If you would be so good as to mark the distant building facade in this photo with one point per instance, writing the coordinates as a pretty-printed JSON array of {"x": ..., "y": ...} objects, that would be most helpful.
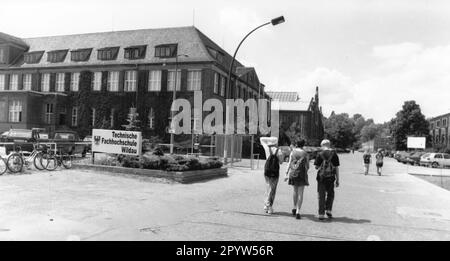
[
  {"x": 299, "y": 119},
  {"x": 439, "y": 131},
  {"x": 87, "y": 81}
]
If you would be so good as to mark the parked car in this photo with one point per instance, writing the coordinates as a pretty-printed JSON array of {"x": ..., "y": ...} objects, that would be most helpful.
[
  {"x": 402, "y": 156},
  {"x": 414, "y": 159},
  {"x": 65, "y": 142},
  {"x": 23, "y": 138},
  {"x": 435, "y": 160}
]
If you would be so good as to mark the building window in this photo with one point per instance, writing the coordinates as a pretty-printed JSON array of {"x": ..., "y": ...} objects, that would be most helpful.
[
  {"x": 60, "y": 82},
  {"x": 45, "y": 82},
  {"x": 171, "y": 80},
  {"x": 130, "y": 81},
  {"x": 154, "y": 81},
  {"x": 93, "y": 117},
  {"x": 97, "y": 81},
  {"x": 194, "y": 80},
  {"x": 113, "y": 81},
  {"x": 2, "y": 56},
  {"x": 216, "y": 83},
  {"x": 48, "y": 113},
  {"x": 15, "y": 111},
  {"x": 109, "y": 53},
  {"x": 56, "y": 56},
  {"x": 33, "y": 57},
  {"x": 112, "y": 116},
  {"x": 222, "y": 86},
  {"x": 135, "y": 52},
  {"x": 80, "y": 55},
  {"x": 151, "y": 119},
  {"x": 166, "y": 50},
  {"x": 75, "y": 116},
  {"x": 14, "y": 82},
  {"x": 74, "y": 81},
  {"x": 27, "y": 79},
  {"x": 2, "y": 82},
  {"x": 444, "y": 123}
]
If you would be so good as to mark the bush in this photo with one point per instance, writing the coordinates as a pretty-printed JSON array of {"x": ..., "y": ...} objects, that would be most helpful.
[{"x": 169, "y": 162}]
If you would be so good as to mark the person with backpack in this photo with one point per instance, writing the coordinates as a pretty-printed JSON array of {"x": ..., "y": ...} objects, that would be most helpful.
[
  {"x": 379, "y": 161},
  {"x": 271, "y": 170},
  {"x": 367, "y": 158},
  {"x": 297, "y": 175},
  {"x": 327, "y": 164}
]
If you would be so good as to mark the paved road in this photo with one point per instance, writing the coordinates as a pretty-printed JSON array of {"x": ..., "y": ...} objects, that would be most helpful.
[{"x": 79, "y": 205}]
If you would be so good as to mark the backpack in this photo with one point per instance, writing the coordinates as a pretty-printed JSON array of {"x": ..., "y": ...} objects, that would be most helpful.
[
  {"x": 272, "y": 166},
  {"x": 327, "y": 169},
  {"x": 366, "y": 158},
  {"x": 298, "y": 167}
]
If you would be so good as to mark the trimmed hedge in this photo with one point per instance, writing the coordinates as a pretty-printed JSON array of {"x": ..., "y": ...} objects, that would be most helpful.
[{"x": 169, "y": 162}]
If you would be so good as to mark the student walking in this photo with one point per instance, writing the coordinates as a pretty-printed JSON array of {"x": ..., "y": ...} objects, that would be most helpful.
[
  {"x": 379, "y": 161},
  {"x": 271, "y": 170},
  {"x": 297, "y": 175},
  {"x": 367, "y": 158},
  {"x": 327, "y": 164}
]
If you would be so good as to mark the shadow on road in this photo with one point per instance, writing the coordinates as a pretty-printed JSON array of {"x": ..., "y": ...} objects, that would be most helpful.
[{"x": 334, "y": 219}]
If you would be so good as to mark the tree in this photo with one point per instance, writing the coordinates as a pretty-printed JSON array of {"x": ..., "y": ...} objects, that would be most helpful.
[
  {"x": 408, "y": 122},
  {"x": 339, "y": 130},
  {"x": 371, "y": 131},
  {"x": 133, "y": 122}
]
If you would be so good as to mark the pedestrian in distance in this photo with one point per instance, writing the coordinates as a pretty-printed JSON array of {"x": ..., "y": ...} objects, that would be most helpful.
[
  {"x": 271, "y": 170},
  {"x": 367, "y": 159},
  {"x": 327, "y": 164},
  {"x": 297, "y": 174},
  {"x": 379, "y": 161}
]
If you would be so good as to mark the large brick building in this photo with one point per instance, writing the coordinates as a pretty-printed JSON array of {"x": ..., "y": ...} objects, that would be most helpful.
[
  {"x": 91, "y": 80},
  {"x": 439, "y": 131},
  {"x": 299, "y": 119}
]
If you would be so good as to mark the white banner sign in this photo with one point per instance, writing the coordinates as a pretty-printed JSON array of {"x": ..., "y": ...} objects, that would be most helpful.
[
  {"x": 416, "y": 142},
  {"x": 117, "y": 142}
]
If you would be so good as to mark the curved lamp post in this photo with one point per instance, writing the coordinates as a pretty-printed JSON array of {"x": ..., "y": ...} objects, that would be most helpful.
[{"x": 274, "y": 22}]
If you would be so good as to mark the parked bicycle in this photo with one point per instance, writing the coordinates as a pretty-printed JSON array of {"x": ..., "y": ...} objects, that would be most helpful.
[
  {"x": 3, "y": 166},
  {"x": 52, "y": 161},
  {"x": 17, "y": 160}
]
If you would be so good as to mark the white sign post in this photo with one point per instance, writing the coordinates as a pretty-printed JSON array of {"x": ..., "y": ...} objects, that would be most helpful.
[
  {"x": 416, "y": 142},
  {"x": 117, "y": 142}
]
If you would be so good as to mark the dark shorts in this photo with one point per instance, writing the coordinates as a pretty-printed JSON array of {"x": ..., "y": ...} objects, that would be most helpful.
[{"x": 379, "y": 164}]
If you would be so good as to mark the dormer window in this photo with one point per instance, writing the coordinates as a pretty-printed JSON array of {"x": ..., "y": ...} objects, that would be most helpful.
[
  {"x": 135, "y": 52},
  {"x": 2, "y": 55},
  {"x": 33, "y": 57},
  {"x": 80, "y": 55},
  {"x": 218, "y": 55},
  {"x": 57, "y": 56},
  {"x": 108, "y": 53},
  {"x": 166, "y": 50}
]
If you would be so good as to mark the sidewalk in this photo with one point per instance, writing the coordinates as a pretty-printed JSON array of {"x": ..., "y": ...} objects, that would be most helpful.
[{"x": 78, "y": 205}]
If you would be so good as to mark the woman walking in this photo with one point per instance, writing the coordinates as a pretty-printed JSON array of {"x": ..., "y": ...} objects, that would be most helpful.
[
  {"x": 379, "y": 161},
  {"x": 367, "y": 160},
  {"x": 297, "y": 175}
]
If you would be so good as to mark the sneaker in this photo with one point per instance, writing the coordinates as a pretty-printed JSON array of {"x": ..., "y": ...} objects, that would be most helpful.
[
  {"x": 270, "y": 211},
  {"x": 294, "y": 211},
  {"x": 329, "y": 215},
  {"x": 266, "y": 208},
  {"x": 297, "y": 216},
  {"x": 321, "y": 217}
]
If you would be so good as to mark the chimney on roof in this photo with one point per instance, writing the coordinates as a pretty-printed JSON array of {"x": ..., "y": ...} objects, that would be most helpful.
[{"x": 317, "y": 95}]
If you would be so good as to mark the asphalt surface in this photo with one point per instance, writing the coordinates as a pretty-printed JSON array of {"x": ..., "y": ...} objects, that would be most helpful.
[{"x": 80, "y": 205}]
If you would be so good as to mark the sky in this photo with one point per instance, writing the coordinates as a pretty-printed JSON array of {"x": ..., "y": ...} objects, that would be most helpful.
[{"x": 365, "y": 56}]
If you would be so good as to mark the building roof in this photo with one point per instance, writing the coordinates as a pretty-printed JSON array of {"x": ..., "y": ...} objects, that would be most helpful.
[
  {"x": 293, "y": 106},
  {"x": 190, "y": 42},
  {"x": 284, "y": 96},
  {"x": 6, "y": 38}
]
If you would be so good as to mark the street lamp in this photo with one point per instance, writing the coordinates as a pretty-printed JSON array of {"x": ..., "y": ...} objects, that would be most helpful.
[
  {"x": 274, "y": 22},
  {"x": 174, "y": 96}
]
